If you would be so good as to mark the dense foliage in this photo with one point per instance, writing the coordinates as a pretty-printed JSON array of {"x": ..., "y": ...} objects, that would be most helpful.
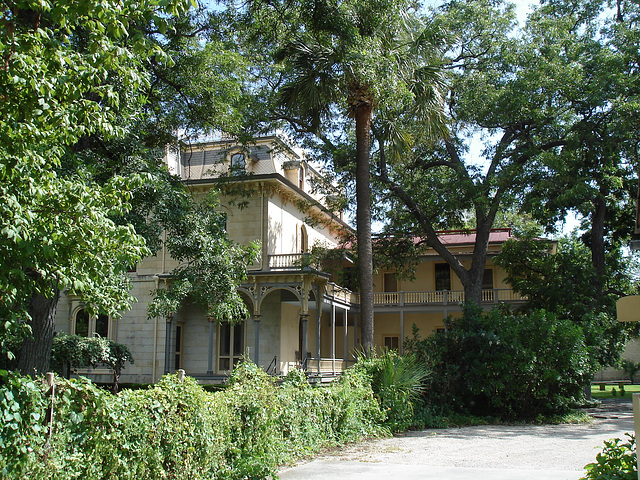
[
  {"x": 398, "y": 383},
  {"x": 210, "y": 264},
  {"x": 559, "y": 277},
  {"x": 617, "y": 461},
  {"x": 91, "y": 94},
  {"x": 548, "y": 146},
  {"x": 70, "y": 352},
  {"x": 70, "y": 70},
  {"x": 177, "y": 429},
  {"x": 506, "y": 365}
]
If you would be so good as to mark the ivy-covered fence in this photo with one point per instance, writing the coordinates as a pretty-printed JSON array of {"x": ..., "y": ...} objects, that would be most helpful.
[{"x": 175, "y": 429}]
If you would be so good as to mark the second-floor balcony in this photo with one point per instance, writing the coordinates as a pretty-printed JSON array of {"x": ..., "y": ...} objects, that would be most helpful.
[
  {"x": 290, "y": 261},
  {"x": 444, "y": 297},
  {"x": 296, "y": 261}
]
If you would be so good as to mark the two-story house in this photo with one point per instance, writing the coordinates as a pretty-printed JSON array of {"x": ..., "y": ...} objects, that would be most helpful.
[{"x": 298, "y": 315}]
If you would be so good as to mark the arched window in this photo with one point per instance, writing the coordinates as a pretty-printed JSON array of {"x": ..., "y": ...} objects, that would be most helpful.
[
  {"x": 304, "y": 240},
  {"x": 85, "y": 325},
  {"x": 81, "y": 323}
]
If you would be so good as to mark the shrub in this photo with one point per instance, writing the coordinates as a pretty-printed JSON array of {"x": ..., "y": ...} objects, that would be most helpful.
[
  {"x": 69, "y": 352},
  {"x": 397, "y": 382},
  {"x": 351, "y": 408},
  {"x": 630, "y": 369},
  {"x": 617, "y": 461},
  {"x": 22, "y": 422},
  {"x": 177, "y": 429},
  {"x": 300, "y": 416},
  {"x": 507, "y": 365},
  {"x": 250, "y": 399}
]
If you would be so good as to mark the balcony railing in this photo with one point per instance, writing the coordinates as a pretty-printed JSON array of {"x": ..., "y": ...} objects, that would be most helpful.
[
  {"x": 494, "y": 295},
  {"x": 289, "y": 261},
  {"x": 340, "y": 293}
]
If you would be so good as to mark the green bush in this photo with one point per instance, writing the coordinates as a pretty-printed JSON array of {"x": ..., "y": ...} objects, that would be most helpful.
[
  {"x": 617, "y": 461},
  {"x": 250, "y": 398},
  {"x": 506, "y": 365},
  {"x": 23, "y": 424},
  {"x": 351, "y": 408},
  {"x": 69, "y": 352},
  {"x": 176, "y": 429},
  {"x": 315, "y": 416},
  {"x": 397, "y": 382},
  {"x": 630, "y": 369}
]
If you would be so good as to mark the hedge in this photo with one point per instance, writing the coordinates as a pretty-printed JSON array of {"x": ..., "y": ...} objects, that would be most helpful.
[{"x": 176, "y": 429}]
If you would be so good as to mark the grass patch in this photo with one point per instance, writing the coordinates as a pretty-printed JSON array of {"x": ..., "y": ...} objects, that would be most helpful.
[
  {"x": 456, "y": 420},
  {"x": 608, "y": 393},
  {"x": 573, "y": 417}
]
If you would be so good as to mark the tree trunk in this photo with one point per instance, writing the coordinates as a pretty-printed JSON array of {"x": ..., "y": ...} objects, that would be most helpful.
[
  {"x": 35, "y": 353},
  {"x": 597, "y": 240},
  {"x": 473, "y": 279},
  {"x": 473, "y": 287},
  {"x": 363, "y": 219}
]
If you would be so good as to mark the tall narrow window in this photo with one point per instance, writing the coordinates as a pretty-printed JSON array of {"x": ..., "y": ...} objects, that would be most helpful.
[
  {"x": 81, "y": 324},
  {"x": 237, "y": 163},
  {"x": 301, "y": 177},
  {"x": 304, "y": 240},
  {"x": 390, "y": 282},
  {"x": 230, "y": 345},
  {"x": 102, "y": 326},
  {"x": 487, "y": 279},
  {"x": 443, "y": 276},
  {"x": 178, "y": 363}
]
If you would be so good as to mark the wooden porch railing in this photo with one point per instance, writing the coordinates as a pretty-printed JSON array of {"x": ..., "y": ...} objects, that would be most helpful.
[
  {"x": 289, "y": 261},
  {"x": 494, "y": 295}
]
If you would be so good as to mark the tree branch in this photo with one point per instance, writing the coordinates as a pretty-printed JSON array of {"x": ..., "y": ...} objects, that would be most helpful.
[{"x": 421, "y": 217}]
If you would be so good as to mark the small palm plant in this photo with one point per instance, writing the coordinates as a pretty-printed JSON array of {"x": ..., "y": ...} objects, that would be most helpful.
[
  {"x": 398, "y": 383},
  {"x": 630, "y": 369}
]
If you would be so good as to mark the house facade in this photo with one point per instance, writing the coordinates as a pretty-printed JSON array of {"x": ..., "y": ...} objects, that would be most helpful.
[{"x": 299, "y": 316}]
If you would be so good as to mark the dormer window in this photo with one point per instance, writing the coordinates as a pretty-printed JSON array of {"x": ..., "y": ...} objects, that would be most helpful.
[{"x": 238, "y": 163}]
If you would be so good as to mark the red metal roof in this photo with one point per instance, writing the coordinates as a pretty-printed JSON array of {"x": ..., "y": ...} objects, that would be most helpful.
[{"x": 469, "y": 238}]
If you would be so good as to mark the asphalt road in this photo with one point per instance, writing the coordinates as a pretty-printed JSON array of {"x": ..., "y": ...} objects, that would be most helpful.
[{"x": 496, "y": 452}]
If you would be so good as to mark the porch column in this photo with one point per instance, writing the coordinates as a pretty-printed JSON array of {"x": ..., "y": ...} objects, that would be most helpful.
[
  {"x": 355, "y": 331},
  {"x": 256, "y": 327},
  {"x": 210, "y": 356},
  {"x": 304, "y": 319},
  {"x": 167, "y": 345},
  {"x": 318, "y": 318},
  {"x": 333, "y": 337},
  {"x": 401, "y": 332},
  {"x": 344, "y": 342}
]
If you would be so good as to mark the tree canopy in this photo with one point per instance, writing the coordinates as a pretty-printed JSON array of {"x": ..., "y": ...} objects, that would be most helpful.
[
  {"x": 531, "y": 93},
  {"x": 334, "y": 66},
  {"x": 91, "y": 95}
]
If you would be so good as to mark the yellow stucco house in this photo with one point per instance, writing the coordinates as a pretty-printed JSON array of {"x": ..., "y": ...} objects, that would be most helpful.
[{"x": 299, "y": 316}]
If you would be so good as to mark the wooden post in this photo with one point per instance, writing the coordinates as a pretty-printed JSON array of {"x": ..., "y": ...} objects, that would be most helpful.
[
  {"x": 51, "y": 381},
  {"x": 636, "y": 424}
]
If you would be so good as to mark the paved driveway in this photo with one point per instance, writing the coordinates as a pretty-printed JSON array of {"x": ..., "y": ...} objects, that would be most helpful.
[{"x": 550, "y": 452}]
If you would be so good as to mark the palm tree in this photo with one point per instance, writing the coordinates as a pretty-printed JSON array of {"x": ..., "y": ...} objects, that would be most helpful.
[{"x": 346, "y": 58}]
